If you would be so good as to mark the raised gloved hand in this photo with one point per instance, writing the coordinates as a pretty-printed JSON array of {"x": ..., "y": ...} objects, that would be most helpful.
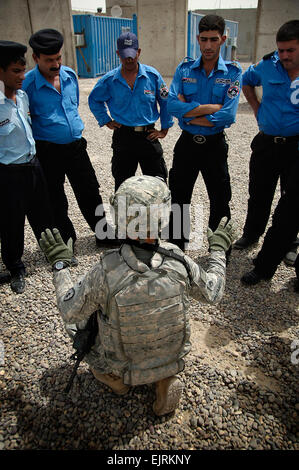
[
  {"x": 223, "y": 236},
  {"x": 54, "y": 247}
]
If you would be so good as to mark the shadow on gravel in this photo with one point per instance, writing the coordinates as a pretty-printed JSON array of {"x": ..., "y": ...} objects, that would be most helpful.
[
  {"x": 83, "y": 418},
  {"x": 257, "y": 307},
  {"x": 256, "y": 319}
]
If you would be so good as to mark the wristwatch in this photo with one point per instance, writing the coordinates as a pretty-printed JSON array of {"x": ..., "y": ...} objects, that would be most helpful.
[{"x": 59, "y": 265}]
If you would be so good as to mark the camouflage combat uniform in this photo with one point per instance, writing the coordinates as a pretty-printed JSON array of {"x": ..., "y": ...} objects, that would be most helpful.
[{"x": 76, "y": 302}]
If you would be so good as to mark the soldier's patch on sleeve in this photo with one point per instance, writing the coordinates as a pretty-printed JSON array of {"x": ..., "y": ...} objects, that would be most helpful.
[
  {"x": 163, "y": 91},
  {"x": 233, "y": 91},
  {"x": 70, "y": 294}
]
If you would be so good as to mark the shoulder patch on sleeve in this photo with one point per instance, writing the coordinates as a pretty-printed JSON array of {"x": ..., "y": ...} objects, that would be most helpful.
[
  {"x": 233, "y": 91},
  {"x": 163, "y": 90}
]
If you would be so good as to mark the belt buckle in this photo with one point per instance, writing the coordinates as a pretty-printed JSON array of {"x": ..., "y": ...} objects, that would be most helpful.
[
  {"x": 139, "y": 128},
  {"x": 199, "y": 139},
  {"x": 279, "y": 139}
]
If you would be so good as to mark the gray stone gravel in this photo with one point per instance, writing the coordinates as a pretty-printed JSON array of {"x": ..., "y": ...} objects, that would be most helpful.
[{"x": 241, "y": 387}]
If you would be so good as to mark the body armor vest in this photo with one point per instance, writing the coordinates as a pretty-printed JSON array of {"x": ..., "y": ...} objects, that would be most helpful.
[{"x": 144, "y": 330}]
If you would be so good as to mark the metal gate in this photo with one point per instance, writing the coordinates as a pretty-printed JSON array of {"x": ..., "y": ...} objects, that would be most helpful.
[
  {"x": 96, "y": 38},
  {"x": 227, "y": 49}
]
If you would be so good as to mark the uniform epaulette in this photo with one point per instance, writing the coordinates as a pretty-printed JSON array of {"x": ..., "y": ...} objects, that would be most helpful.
[
  {"x": 188, "y": 59},
  {"x": 268, "y": 56},
  {"x": 235, "y": 63}
]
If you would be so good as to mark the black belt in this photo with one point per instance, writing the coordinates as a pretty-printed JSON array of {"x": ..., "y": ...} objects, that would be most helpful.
[
  {"x": 139, "y": 128},
  {"x": 202, "y": 139},
  {"x": 46, "y": 143},
  {"x": 19, "y": 165},
  {"x": 278, "y": 139}
]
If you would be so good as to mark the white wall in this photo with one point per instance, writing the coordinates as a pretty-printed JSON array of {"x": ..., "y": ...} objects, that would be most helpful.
[
  {"x": 162, "y": 33},
  {"x": 246, "y": 17},
  {"x": 20, "y": 18},
  {"x": 271, "y": 14},
  {"x": 128, "y": 7}
]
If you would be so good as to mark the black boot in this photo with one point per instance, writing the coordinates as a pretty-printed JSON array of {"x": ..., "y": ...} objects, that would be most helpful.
[
  {"x": 253, "y": 277},
  {"x": 17, "y": 282}
]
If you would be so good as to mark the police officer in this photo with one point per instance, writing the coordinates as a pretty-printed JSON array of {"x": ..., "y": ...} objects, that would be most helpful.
[
  {"x": 204, "y": 96},
  {"x": 53, "y": 93},
  {"x": 141, "y": 295},
  {"x": 284, "y": 228},
  {"x": 131, "y": 92},
  {"x": 22, "y": 185},
  {"x": 275, "y": 147}
]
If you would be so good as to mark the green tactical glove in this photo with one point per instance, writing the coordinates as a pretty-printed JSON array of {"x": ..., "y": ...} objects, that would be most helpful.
[
  {"x": 54, "y": 247},
  {"x": 223, "y": 236}
]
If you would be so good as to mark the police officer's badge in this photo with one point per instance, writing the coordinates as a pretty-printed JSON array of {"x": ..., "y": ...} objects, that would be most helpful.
[
  {"x": 163, "y": 91},
  {"x": 233, "y": 91}
]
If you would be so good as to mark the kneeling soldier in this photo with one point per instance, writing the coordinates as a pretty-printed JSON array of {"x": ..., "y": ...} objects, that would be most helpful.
[{"x": 141, "y": 293}]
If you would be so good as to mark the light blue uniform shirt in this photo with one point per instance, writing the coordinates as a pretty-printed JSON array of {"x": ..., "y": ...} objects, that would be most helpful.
[
  {"x": 137, "y": 107},
  {"x": 55, "y": 116},
  {"x": 16, "y": 141},
  {"x": 278, "y": 113},
  {"x": 222, "y": 86}
]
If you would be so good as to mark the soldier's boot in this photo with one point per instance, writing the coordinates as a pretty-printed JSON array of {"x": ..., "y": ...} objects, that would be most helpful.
[
  {"x": 168, "y": 394},
  {"x": 115, "y": 383}
]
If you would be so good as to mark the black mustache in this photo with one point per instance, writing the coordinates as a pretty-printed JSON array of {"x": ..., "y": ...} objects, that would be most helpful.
[{"x": 54, "y": 69}]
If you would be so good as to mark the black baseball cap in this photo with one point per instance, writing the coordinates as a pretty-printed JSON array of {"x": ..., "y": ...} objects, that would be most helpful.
[{"x": 127, "y": 45}]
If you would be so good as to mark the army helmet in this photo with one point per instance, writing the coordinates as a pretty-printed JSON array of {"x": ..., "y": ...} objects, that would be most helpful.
[{"x": 141, "y": 207}]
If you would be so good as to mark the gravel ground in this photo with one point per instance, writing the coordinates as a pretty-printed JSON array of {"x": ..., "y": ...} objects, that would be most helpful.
[{"x": 240, "y": 381}]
